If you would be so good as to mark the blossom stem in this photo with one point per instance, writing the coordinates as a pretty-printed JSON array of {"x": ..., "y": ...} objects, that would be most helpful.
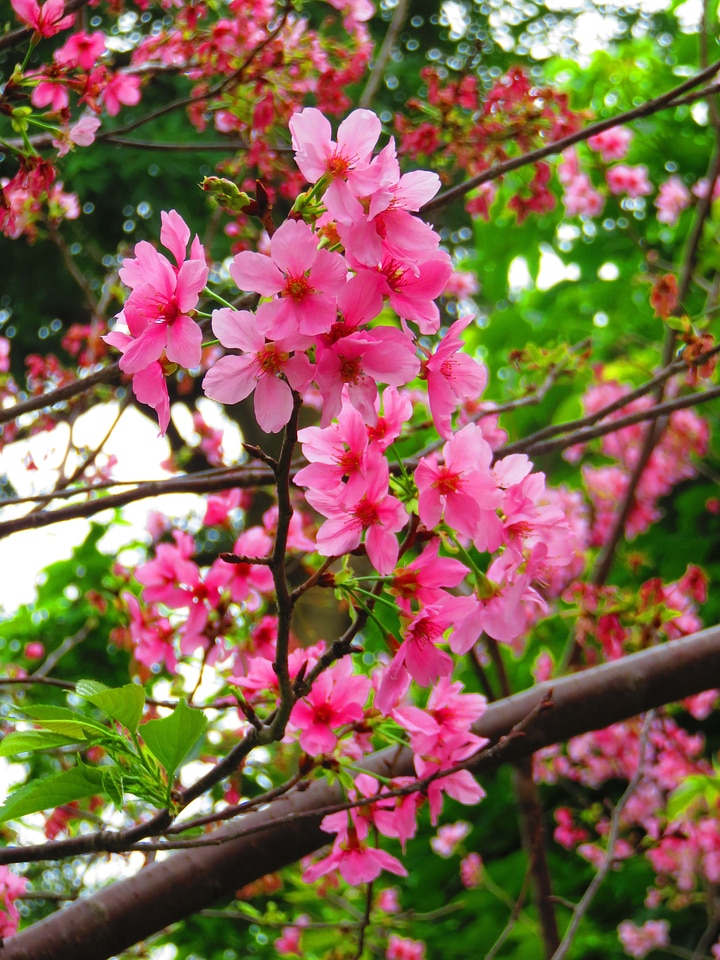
[{"x": 216, "y": 296}]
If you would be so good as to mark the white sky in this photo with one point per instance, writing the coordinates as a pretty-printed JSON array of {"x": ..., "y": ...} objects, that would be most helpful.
[{"x": 139, "y": 453}]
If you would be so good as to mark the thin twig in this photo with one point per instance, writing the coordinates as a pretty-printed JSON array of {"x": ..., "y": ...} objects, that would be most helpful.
[
  {"x": 587, "y": 898},
  {"x": 512, "y": 919},
  {"x": 377, "y": 73}
]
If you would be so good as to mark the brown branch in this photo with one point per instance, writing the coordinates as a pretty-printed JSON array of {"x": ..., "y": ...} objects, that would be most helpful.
[
  {"x": 591, "y": 433},
  {"x": 207, "y": 482},
  {"x": 553, "y": 430},
  {"x": 663, "y": 102},
  {"x": 169, "y": 890},
  {"x": 67, "y": 392},
  {"x": 533, "y": 836},
  {"x": 378, "y": 68}
]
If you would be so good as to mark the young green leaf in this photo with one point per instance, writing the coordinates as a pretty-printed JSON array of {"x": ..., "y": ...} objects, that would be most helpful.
[
  {"x": 80, "y": 781},
  {"x": 122, "y": 704},
  {"x": 23, "y": 741},
  {"x": 172, "y": 738},
  {"x": 55, "y": 719}
]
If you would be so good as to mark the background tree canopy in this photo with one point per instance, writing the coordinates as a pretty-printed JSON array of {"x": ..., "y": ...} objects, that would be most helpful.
[{"x": 577, "y": 147}]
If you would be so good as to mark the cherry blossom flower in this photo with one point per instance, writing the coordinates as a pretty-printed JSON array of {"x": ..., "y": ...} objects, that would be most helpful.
[
  {"x": 342, "y": 162},
  {"x": 639, "y": 941},
  {"x": 462, "y": 489},
  {"x": 673, "y": 197},
  {"x": 337, "y": 697},
  {"x": 271, "y": 369},
  {"x": 357, "y": 363},
  {"x": 630, "y": 180},
  {"x": 451, "y": 377},
  {"x": 460, "y": 785},
  {"x": 448, "y": 837},
  {"x": 81, "y": 50},
  {"x": 357, "y": 862},
  {"x": 420, "y": 581},
  {"x": 362, "y": 506},
  {"x": 157, "y": 311},
  {"x": 611, "y": 144},
  {"x": 305, "y": 278},
  {"x": 471, "y": 871},
  {"x": 412, "y": 288},
  {"x": 82, "y": 134},
  {"x": 121, "y": 89},
  {"x": 46, "y": 20},
  {"x": 12, "y": 888},
  {"x": 401, "y": 948}
]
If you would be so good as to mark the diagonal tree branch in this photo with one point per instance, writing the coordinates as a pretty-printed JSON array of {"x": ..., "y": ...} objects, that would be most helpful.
[
  {"x": 167, "y": 891},
  {"x": 669, "y": 99}
]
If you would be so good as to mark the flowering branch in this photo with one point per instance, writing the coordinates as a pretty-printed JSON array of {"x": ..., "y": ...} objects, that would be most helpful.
[
  {"x": 663, "y": 102},
  {"x": 162, "y": 893}
]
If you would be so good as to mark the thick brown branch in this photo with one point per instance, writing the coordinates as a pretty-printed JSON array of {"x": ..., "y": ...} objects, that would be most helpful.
[{"x": 167, "y": 891}]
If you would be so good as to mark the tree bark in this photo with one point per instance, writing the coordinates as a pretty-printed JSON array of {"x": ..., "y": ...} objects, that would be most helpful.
[{"x": 169, "y": 890}]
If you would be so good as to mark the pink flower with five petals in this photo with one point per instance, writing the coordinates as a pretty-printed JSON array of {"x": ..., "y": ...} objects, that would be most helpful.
[
  {"x": 268, "y": 367},
  {"x": 305, "y": 278},
  {"x": 157, "y": 311}
]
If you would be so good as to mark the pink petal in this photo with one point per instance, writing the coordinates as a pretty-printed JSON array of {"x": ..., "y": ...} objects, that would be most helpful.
[
  {"x": 237, "y": 329},
  {"x": 146, "y": 349},
  {"x": 294, "y": 247},
  {"x": 358, "y": 134},
  {"x": 184, "y": 342},
  {"x": 312, "y": 142},
  {"x": 150, "y": 387},
  {"x": 191, "y": 280},
  {"x": 174, "y": 234},
  {"x": 230, "y": 380},
  {"x": 257, "y": 273},
  {"x": 273, "y": 403}
]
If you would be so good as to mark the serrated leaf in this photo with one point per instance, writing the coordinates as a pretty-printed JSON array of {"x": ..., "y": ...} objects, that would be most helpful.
[
  {"x": 172, "y": 738},
  {"x": 50, "y": 792},
  {"x": 123, "y": 704},
  {"x": 114, "y": 786},
  {"x": 46, "y": 715},
  {"x": 24, "y": 741}
]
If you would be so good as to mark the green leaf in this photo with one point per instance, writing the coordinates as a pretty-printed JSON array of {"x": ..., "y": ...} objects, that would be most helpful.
[
  {"x": 44, "y": 713},
  {"x": 172, "y": 738},
  {"x": 66, "y": 722},
  {"x": 114, "y": 786},
  {"x": 689, "y": 791},
  {"x": 123, "y": 704},
  {"x": 50, "y": 792},
  {"x": 22, "y": 741}
]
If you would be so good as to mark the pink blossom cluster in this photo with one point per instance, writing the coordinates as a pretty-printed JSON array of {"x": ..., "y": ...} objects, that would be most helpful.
[
  {"x": 685, "y": 437},
  {"x": 276, "y": 83},
  {"x": 673, "y": 197},
  {"x": 580, "y": 198},
  {"x": 314, "y": 326},
  {"x": 31, "y": 196},
  {"x": 158, "y": 313},
  {"x": 354, "y": 249},
  {"x": 639, "y": 941},
  {"x": 401, "y": 948},
  {"x": 12, "y": 888},
  {"x": 468, "y": 131},
  {"x": 682, "y": 851}
]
